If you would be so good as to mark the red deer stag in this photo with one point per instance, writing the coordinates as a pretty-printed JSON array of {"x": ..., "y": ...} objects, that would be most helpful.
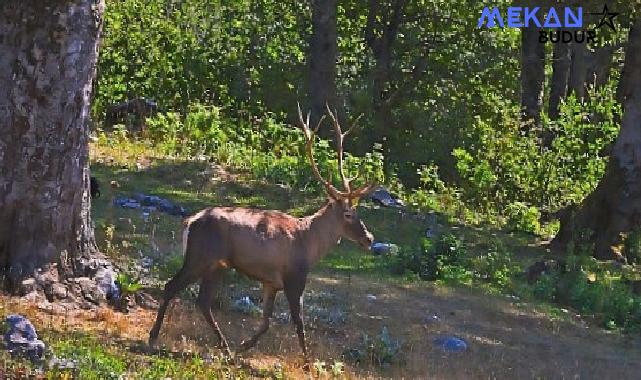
[{"x": 269, "y": 246}]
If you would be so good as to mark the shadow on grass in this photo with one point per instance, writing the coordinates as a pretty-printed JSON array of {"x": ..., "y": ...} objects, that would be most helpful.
[{"x": 194, "y": 185}]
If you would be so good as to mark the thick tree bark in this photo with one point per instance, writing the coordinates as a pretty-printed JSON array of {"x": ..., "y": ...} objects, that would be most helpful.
[
  {"x": 532, "y": 75},
  {"x": 48, "y": 53},
  {"x": 323, "y": 50},
  {"x": 615, "y": 205}
]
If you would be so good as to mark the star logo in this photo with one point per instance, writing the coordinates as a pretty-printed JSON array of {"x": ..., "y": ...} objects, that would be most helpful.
[{"x": 607, "y": 18}]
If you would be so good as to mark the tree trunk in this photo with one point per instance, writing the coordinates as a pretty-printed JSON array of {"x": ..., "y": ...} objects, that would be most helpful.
[
  {"x": 532, "y": 75},
  {"x": 600, "y": 64},
  {"x": 48, "y": 53},
  {"x": 380, "y": 82},
  {"x": 323, "y": 50},
  {"x": 560, "y": 75},
  {"x": 615, "y": 205},
  {"x": 381, "y": 32},
  {"x": 578, "y": 70}
]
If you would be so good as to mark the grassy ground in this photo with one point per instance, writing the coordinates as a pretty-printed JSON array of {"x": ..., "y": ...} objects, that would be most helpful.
[{"x": 508, "y": 337}]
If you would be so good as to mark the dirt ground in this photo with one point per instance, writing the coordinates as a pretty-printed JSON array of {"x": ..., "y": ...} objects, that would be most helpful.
[{"x": 507, "y": 339}]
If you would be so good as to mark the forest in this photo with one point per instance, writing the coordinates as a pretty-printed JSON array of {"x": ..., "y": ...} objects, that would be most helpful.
[{"x": 167, "y": 167}]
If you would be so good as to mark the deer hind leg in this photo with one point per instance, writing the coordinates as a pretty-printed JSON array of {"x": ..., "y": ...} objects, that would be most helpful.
[
  {"x": 185, "y": 276},
  {"x": 206, "y": 295},
  {"x": 269, "y": 295},
  {"x": 294, "y": 294}
]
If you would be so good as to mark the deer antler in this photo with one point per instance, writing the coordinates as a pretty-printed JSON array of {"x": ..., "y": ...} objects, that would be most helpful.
[
  {"x": 310, "y": 136},
  {"x": 340, "y": 136}
]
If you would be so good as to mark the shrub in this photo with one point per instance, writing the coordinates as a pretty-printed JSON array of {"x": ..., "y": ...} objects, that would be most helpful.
[
  {"x": 632, "y": 247},
  {"x": 442, "y": 260},
  {"x": 415, "y": 260},
  {"x": 495, "y": 265},
  {"x": 381, "y": 350},
  {"x": 273, "y": 151},
  {"x": 591, "y": 288},
  {"x": 501, "y": 165},
  {"x": 521, "y": 217}
]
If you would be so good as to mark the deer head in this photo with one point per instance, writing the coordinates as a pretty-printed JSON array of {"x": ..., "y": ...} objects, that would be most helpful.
[{"x": 342, "y": 202}]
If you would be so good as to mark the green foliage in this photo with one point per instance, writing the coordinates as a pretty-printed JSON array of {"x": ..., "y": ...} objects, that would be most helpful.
[
  {"x": 184, "y": 52},
  {"x": 503, "y": 168},
  {"x": 441, "y": 260},
  {"x": 521, "y": 217},
  {"x": 495, "y": 265},
  {"x": 270, "y": 150},
  {"x": 381, "y": 350},
  {"x": 95, "y": 361},
  {"x": 170, "y": 266},
  {"x": 592, "y": 288},
  {"x": 128, "y": 284},
  {"x": 632, "y": 247}
]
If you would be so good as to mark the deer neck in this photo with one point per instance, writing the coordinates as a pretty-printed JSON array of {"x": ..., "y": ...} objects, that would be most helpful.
[{"x": 322, "y": 232}]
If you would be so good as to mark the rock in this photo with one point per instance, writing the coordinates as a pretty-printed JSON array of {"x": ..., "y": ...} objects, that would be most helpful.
[
  {"x": 379, "y": 248},
  {"x": 145, "y": 301},
  {"x": 52, "y": 308},
  {"x": 149, "y": 202},
  {"x": 246, "y": 306},
  {"x": 383, "y": 197},
  {"x": 90, "y": 290},
  {"x": 432, "y": 319},
  {"x": 106, "y": 283},
  {"x": 21, "y": 338},
  {"x": 62, "y": 364},
  {"x": 59, "y": 291},
  {"x": 451, "y": 344},
  {"x": 29, "y": 285}
]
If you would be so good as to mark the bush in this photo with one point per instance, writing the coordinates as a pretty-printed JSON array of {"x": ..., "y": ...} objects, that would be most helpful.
[
  {"x": 495, "y": 265},
  {"x": 501, "y": 165},
  {"x": 521, "y": 217},
  {"x": 271, "y": 150},
  {"x": 414, "y": 260},
  {"x": 443, "y": 260},
  {"x": 591, "y": 288},
  {"x": 632, "y": 247},
  {"x": 381, "y": 350}
]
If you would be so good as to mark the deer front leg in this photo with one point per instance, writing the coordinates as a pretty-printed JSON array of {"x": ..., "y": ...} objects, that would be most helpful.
[
  {"x": 269, "y": 295},
  {"x": 208, "y": 287},
  {"x": 295, "y": 299},
  {"x": 180, "y": 281}
]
